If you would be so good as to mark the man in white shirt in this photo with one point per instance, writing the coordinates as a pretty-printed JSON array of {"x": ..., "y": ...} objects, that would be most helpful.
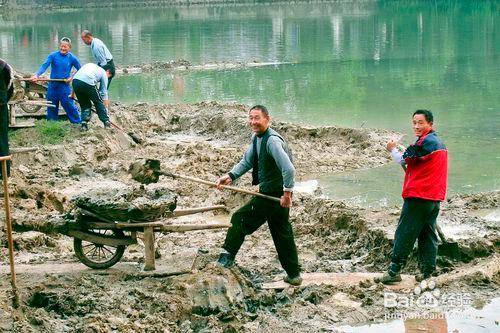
[
  {"x": 85, "y": 87},
  {"x": 100, "y": 52}
]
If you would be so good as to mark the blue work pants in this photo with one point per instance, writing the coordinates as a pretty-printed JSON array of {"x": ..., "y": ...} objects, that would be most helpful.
[{"x": 58, "y": 93}]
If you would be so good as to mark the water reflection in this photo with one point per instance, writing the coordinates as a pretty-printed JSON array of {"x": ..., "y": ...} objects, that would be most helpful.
[
  {"x": 349, "y": 63},
  {"x": 468, "y": 320}
]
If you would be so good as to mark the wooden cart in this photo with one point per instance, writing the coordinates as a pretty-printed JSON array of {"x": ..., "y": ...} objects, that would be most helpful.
[
  {"x": 100, "y": 243},
  {"x": 28, "y": 102}
]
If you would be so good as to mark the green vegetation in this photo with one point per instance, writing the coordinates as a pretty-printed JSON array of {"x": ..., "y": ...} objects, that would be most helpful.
[{"x": 44, "y": 133}]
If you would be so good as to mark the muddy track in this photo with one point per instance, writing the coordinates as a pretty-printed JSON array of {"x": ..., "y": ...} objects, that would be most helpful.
[{"x": 204, "y": 140}]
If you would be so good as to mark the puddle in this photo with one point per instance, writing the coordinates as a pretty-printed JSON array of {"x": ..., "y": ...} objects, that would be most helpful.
[
  {"x": 492, "y": 215},
  {"x": 188, "y": 139},
  {"x": 308, "y": 186},
  {"x": 371, "y": 188},
  {"x": 461, "y": 231},
  {"x": 469, "y": 320}
]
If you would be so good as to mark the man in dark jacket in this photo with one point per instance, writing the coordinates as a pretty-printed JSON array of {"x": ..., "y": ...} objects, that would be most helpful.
[
  {"x": 6, "y": 90},
  {"x": 426, "y": 174},
  {"x": 270, "y": 160}
]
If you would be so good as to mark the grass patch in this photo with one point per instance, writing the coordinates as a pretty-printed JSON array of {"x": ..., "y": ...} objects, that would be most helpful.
[{"x": 44, "y": 133}]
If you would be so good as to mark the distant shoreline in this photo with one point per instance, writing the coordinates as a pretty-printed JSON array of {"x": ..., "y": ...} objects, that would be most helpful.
[{"x": 78, "y": 4}]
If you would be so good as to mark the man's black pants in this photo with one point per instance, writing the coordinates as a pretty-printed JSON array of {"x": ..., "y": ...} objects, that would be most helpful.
[
  {"x": 251, "y": 216},
  {"x": 417, "y": 221},
  {"x": 88, "y": 94}
]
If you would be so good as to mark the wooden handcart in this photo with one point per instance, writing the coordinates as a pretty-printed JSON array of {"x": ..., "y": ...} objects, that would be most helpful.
[
  {"x": 100, "y": 243},
  {"x": 28, "y": 102}
]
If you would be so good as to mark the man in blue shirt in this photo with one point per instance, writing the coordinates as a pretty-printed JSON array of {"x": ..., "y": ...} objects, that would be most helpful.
[
  {"x": 100, "y": 52},
  {"x": 85, "y": 87},
  {"x": 61, "y": 62}
]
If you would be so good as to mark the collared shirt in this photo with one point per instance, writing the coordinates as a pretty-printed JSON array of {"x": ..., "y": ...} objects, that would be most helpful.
[
  {"x": 92, "y": 74},
  {"x": 60, "y": 65},
  {"x": 100, "y": 52}
]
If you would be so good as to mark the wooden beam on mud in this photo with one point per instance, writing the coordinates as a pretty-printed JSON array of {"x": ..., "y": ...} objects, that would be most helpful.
[
  {"x": 161, "y": 226},
  {"x": 487, "y": 268},
  {"x": 341, "y": 279},
  {"x": 149, "y": 249},
  {"x": 101, "y": 239}
]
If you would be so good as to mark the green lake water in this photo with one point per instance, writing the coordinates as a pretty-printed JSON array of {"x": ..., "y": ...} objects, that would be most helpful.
[{"x": 363, "y": 63}]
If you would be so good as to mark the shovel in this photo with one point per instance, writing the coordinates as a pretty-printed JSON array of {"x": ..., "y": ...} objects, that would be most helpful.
[
  {"x": 134, "y": 137},
  {"x": 447, "y": 248},
  {"x": 149, "y": 172}
]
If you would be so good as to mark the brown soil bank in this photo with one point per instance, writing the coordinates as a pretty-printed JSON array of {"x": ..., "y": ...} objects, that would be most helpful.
[{"x": 204, "y": 140}]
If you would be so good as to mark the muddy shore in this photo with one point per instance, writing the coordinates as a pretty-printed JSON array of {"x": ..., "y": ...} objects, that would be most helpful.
[{"x": 59, "y": 294}]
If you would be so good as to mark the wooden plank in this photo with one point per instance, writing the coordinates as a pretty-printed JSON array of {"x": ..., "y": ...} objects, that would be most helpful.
[
  {"x": 149, "y": 249},
  {"x": 341, "y": 279},
  {"x": 165, "y": 227},
  {"x": 193, "y": 227},
  {"x": 101, "y": 239},
  {"x": 128, "y": 225},
  {"x": 80, "y": 225},
  {"x": 189, "y": 211},
  {"x": 95, "y": 215}
]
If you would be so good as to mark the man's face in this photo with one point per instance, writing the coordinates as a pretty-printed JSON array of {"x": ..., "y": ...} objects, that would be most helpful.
[
  {"x": 258, "y": 121},
  {"x": 64, "y": 48},
  {"x": 420, "y": 125},
  {"x": 87, "y": 39}
]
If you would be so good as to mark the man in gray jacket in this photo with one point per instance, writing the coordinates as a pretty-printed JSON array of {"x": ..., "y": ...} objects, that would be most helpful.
[{"x": 270, "y": 160}]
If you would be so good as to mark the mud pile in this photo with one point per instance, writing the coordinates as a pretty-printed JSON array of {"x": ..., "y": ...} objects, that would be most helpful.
[
  {"x": 205, "y": 140},
  {"x": 127, "y": 203},
  {"x": 184, "y": 65}
]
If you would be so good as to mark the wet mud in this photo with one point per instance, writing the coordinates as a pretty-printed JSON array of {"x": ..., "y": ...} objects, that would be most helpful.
[{"x": 204, "y": 140}]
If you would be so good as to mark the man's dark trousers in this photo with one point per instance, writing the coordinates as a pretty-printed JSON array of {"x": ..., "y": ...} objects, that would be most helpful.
[
  {"x": 418, "y": 220},
  {"x": 4, "y": 133},
  {"x": 110, "y": 65},
  {"x": 251, "y": 216},
  {"x": 88, "y": 94}
]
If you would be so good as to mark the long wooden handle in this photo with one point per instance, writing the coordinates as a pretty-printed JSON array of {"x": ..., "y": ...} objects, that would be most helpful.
[
  {"x": 232, "y": 188},
  {"x": 8, "y": 220},
  {"x": 189, "y": 211},
  {"x": 43, "y": 79}
]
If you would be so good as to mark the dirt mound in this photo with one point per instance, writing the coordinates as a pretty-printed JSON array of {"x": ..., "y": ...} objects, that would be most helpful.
[
  {"x": 128, "y": 203},
  {"x": 204, "y": 140}
]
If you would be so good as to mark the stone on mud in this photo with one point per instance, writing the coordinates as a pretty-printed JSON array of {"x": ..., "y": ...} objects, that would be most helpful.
[{"x": 135, "y": 203}]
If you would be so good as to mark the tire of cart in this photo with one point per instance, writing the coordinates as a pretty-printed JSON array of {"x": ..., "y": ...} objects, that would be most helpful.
[{"x": 99, "y": 256}]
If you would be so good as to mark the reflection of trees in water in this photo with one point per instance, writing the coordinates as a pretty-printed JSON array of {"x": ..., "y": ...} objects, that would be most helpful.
[{"x": 303, "y": 32}]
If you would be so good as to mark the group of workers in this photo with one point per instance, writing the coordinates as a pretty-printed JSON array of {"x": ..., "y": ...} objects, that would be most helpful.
[
  {"x": 426, "y": 172},
  {"x": 90, "y": 83},
  {"x": 268, "y": 156}
]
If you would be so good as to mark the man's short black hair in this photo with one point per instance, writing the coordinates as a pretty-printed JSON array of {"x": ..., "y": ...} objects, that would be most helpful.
[
  {"x": 261, "y": 108},
  {"x": 427, "y": 114}
]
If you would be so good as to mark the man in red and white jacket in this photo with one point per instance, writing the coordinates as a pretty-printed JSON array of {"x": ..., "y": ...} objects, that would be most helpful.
[{"x": 426, "y": 173}]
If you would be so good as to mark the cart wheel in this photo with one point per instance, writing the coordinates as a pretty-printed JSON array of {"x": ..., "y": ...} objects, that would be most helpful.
[
  {"x": 99, "y": 256},
  {"x": 31, "y": 95}
]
